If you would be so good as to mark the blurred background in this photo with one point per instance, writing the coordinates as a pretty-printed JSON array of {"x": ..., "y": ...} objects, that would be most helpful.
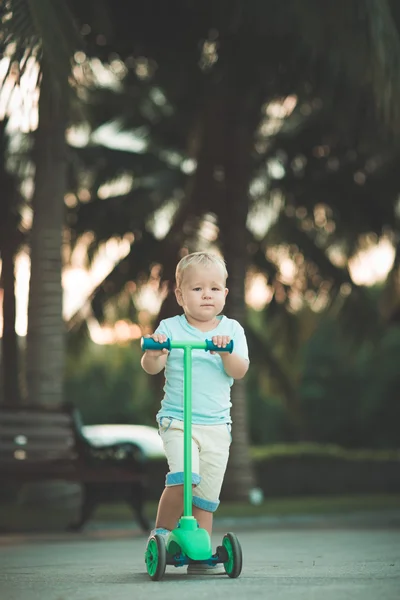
[{"x": 132, "y": 133}]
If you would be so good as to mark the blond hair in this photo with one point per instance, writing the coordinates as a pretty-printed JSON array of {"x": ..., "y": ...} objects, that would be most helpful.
[{"x": 203, "y": 259}]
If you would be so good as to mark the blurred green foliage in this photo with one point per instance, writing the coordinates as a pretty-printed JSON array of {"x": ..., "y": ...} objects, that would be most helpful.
[
  {"x": 350, "y": 395},
  {"x": 108, "y": 385},
  {"x": 270, "y": 451}
]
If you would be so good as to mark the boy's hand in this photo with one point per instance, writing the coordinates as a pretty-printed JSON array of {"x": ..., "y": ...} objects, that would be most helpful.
[
  {"x": 221, "y": 341},
  {"x": 157, "y": 337}
]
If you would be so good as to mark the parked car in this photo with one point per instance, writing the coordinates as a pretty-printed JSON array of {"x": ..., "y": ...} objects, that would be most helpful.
[{"x": 145, "y": 437}]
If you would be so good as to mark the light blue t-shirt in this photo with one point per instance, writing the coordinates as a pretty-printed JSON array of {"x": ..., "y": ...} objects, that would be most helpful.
[{"x": 211, "y": 386}]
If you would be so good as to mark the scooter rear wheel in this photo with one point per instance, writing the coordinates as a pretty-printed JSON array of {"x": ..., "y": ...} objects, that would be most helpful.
[
  {"x": 156, "y": 557},
  {"x": 233, "y": 566}
]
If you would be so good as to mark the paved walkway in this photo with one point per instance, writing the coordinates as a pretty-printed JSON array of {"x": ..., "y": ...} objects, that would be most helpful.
[{"x": 300, "y": 563}]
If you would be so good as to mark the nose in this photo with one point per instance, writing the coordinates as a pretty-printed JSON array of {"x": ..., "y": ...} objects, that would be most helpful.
[{"x": 206, "y": 294}]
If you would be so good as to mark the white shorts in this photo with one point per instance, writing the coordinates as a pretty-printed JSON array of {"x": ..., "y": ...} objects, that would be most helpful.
[{"x": 210, "y": 453}]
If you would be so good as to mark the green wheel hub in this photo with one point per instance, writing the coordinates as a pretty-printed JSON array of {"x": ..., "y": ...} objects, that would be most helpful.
[
  {"x": 233, "y": 566},
  {"x": 229, "y": 564},
  {"x": 156, "y": 557},
  {"x": 152, "y": 557}
]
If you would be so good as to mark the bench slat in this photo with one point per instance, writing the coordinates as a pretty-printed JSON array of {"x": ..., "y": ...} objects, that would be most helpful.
[
  {"x": 22, "y": 418},
  {"x": 33, "y": 431},
  {"x": 49, "y": 441},
  {"x": 18, "y": 457},
  {"x": 78, "y": 473}
]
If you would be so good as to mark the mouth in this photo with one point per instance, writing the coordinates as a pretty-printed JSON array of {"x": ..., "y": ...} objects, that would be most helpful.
[{"x": 207, "y": 305}]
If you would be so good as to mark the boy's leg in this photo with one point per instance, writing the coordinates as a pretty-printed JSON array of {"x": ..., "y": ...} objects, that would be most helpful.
[
  {"x": 170, "y": 507},
  {"x": 204, "y": 518},
  {"x": 215, "y": 441}
]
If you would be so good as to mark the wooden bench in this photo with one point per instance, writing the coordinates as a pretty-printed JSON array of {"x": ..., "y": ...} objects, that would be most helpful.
[{"x": 39, "y": 444}]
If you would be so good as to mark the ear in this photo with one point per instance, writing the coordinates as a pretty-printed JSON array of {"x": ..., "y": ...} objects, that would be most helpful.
[
  {"x": 226, "y": 292},
  {"x": 178, "y": 296}
]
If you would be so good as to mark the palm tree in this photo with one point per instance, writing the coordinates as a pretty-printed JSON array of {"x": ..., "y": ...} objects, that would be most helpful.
[{"x": 45, "y": 31}]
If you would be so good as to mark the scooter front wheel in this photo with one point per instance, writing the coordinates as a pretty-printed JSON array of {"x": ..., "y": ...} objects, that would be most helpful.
[
  {"x": 156, "y": 557},
  {"x": 233, "y": 566}
]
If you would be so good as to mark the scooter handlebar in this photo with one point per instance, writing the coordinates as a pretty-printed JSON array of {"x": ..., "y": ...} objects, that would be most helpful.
[
  {"x": 210, "y": 346},
  {"x": 150, "y": 344}
]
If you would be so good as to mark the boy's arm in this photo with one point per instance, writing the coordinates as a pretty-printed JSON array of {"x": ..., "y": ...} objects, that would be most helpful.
[
  {"x": 153, "y": 364},
  {"x": 235, "y": 366},
  {"x": 154, "y": 361}
]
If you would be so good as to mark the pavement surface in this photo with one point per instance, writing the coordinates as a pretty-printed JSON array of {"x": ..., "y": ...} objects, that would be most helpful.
[{"x": 300, "y": 561}]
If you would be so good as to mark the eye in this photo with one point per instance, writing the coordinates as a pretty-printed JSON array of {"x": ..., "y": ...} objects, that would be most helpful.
[
  {"x": 216, "y": 289},
  {"x": 196, "y": 289}
]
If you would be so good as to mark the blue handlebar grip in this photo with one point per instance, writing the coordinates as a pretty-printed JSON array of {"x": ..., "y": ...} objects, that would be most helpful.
[
  {"x": 150, "y": 344},
  {"x": 211, "y": 346}
]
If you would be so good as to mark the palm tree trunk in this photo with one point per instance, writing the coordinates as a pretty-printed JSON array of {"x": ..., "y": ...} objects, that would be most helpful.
[
  {"x": 10, "y": 353},
  {"x": 9, "y": 243},
  {"x": 238, "y": 145},
  {"x": 221, "y": 185},
  {"x": 45, "y": 340},
  {"x": 240, "y": 477}
]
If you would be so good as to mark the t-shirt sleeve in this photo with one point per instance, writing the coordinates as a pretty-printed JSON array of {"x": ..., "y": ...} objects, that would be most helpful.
[
  {"x": 240, "y": 342},
  {"x": 163, "y": 328}
]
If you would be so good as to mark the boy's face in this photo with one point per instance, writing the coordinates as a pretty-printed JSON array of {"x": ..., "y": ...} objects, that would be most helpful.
[{"x": 202, "y": 292}]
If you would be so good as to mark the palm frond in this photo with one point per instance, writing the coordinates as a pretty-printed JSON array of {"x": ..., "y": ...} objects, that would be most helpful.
[
  {"x": 144, "y": 252},
  {"x": 44, "y": 28},
  {"x": 115, "y": 216},
  {"x": 288, "y": 228},
  {"x": 97, "y": 157},
  {"x": 357, "y": 39}
]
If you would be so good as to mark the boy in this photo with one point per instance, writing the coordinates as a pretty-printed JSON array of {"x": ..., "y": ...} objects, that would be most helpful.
[{"x": 201, "y": 292}]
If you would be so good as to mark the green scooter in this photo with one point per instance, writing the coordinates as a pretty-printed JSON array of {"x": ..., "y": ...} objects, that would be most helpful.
[{"x": 188, "y": 543}]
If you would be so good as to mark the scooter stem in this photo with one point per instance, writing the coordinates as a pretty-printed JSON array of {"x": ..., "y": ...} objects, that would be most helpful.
[{"x": 187, "y": 434}]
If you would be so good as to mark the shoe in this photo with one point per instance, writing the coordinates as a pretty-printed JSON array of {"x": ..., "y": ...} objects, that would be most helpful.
[
  {"x": 204, "y": 569},
  {"x": 160, "y": 531}
]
